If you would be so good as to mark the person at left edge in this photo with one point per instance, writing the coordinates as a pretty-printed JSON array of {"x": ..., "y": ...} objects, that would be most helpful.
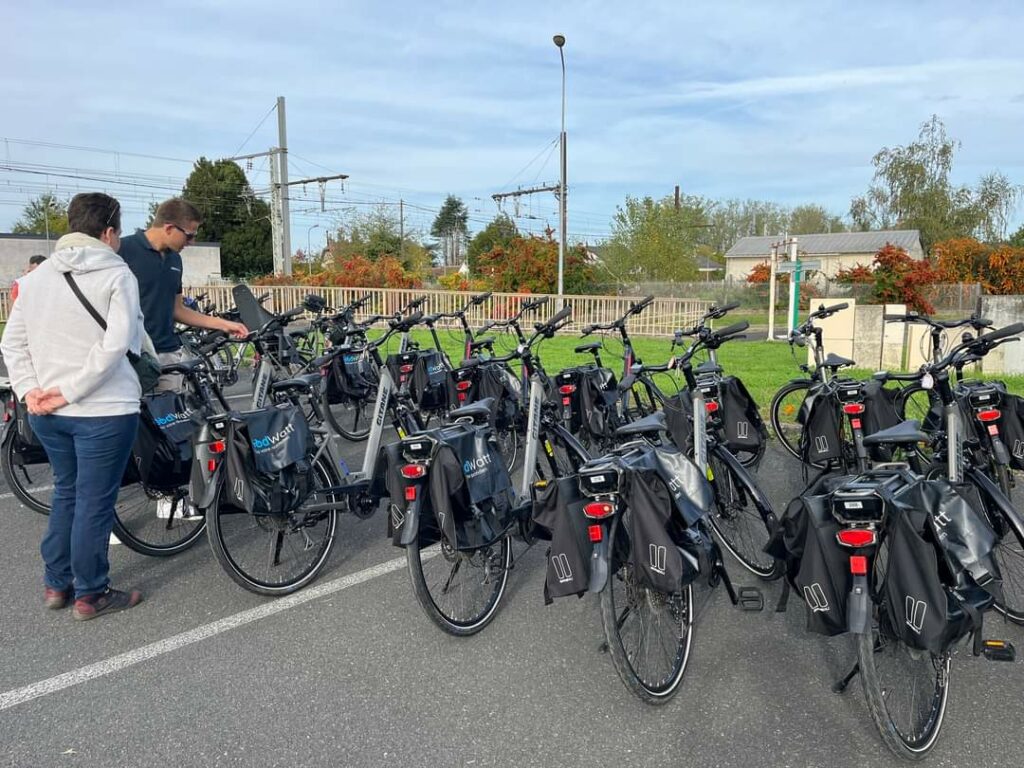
[{"x": 154, "y": 256}]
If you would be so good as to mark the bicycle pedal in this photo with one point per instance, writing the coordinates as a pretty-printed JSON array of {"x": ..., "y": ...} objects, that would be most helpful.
[
  {"x": 999, "y": 650},
  {"x": 750, "y": 599}
]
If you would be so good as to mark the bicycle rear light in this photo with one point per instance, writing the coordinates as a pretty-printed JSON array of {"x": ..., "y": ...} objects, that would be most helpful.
[
  {"x": 462, "y": 386},
  {"x": 216, "y": 447},
  {"x": 413, "y": 471},
  {"x": 989, "y": 414},
  {"x": 567, "y": 389},
  {"x": 853, "y": 408},
  {"x": 598, "y": 510},
  {"x": 856, "y": 537},
  {"x": 711, "y": 406}
]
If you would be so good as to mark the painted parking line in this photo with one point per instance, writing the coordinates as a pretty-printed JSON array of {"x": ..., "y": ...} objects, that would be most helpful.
[
  {"x": 84, "y": 674},
  {"x": 10, "y": 495}
]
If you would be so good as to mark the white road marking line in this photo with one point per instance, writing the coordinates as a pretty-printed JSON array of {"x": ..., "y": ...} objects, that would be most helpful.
[
  {"x": 121, "y": 661},
  {"x": 10, "y": 495}
]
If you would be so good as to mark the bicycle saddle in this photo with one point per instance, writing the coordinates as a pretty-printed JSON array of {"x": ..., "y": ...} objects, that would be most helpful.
[
  {"x": 588, "y": 347},
  {"x": 486, "y": 341},
  {"x": 708, "y": 367},
  {"x": 184, "y": 366},
  {"x": 904, "y": 433},
  {"x": 832, "y": 360},
  {"x": 475, "y": 412},
  {"x": 305, "y": 382},
  {"x": 647, "y": 425}
]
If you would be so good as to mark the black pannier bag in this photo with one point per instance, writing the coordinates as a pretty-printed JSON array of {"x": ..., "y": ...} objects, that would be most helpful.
[
  {"x": 496, "y": 381},
  {"x": 679, "y": 419},
  {"x": 430, "y": 380},
  {"x": 820, "y": 438},
  {"x": 401, "y": 365},
  {"x": 817, "y": 567},
  {"x": 162, "y": 452},
  {"x": 350, "y": 377},
  {"x": 267, "y": 468},
  {"x": 667, "y": 498},
  {"x": 942, "y": 574},
  {"x": 470, "y": 489},
  {"x": 879, "y": 413},
  {"x": 745, "y": 430},
  {"x": 592, "y": 402},
  {"x": 558, "y": 510},
  {"x": 1011, "y": 428},
  {"x": 27, "y": 448},
  {"x": 389, "y": 482}
]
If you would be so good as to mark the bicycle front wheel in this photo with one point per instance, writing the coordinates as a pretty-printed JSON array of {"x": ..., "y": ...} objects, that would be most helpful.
[
  {"x": 460, "y": 591},
  {"x": 737, "y": 520},
  {"x": 276, "y": 554},
  {"x": 784, "y": 410},
  {"x": 649, "y": 633}
]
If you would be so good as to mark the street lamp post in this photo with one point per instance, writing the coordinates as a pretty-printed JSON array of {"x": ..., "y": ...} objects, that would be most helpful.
[
  {"x": 309, "y": 264},
  {"x": 559, "y": 41}
]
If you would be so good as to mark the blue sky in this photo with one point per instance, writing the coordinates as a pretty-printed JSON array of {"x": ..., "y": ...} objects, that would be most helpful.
[{"x": 781, "y": 101}]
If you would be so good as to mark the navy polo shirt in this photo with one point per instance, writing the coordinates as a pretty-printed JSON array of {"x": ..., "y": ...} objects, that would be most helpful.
[{"x": 159, "y": 276}]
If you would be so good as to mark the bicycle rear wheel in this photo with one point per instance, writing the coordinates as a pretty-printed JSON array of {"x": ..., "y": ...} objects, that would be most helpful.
[
  {"x": 459, "y": 591},
  {"x": 276, "y": 554},
  {"x": 649, "y": 633},
  {"x": 31, "y": 484},
  {"x": 784, "y": 410},
  {"x": 737, "y": 521},
  {"x": 351, "y": 418},
  {"x": 154, "y": 523}
]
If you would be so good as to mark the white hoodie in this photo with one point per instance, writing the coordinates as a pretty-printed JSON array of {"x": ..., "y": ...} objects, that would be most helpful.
[{"x": 51, "y": 340}]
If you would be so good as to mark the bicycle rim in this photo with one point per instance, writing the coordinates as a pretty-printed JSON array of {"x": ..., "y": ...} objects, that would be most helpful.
[
  {"x": 155, "y": 524},
  {"x": 737, "y": 521},
  {"x": 460, "y": 591},
  {"x": 31, "y": 484},
  {"x": 784, "y": 409}
]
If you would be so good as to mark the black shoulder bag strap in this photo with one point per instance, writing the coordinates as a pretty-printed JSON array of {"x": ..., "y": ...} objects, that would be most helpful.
[{"x": 132, "y": 357}]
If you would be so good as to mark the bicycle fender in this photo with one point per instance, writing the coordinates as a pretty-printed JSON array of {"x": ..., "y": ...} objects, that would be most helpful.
[
  {"x": 411, "y": 526},
  {"x": 764, "y": 507},
  {"x": 204, "y": 498},
  {"x": 858, "y": 607},
  {"x": 599, "y": 566}
]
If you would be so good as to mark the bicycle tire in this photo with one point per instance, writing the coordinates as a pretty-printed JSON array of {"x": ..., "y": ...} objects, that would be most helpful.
[
  {"x": 485, "y": 608},
  {"x": 350, "y": 419},
  {"x": 140, "y": 527},
  {"x": 679, "y": 609},
  {"x": 786, "y": 428},
  {"x": 737, "y": 522},
  {"x": 32, "y": 487},
  {"x": 248, "y": 531}
]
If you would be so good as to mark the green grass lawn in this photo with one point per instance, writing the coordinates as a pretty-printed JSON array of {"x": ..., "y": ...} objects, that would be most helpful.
[{"x": 762, "y": 366}]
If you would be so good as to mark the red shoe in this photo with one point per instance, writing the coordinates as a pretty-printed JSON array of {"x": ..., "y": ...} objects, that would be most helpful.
[
  {"x": 55, "y": 599},
  {"x": 110, "y": 601}
]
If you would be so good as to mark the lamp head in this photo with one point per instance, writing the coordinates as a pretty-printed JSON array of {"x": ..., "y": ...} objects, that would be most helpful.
[{"x": 559, "y": 40}]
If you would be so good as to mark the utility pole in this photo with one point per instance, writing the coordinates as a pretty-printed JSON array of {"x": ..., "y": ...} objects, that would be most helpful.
[
  {"x": 794, "y": 256},
  {"x": 282, "y": 159},
  {"x": 401, "y": 229},
  {"x": 677, "y": 197},
  {"x": 559, "y": 41},
  {"x": 771, "y": 292}
]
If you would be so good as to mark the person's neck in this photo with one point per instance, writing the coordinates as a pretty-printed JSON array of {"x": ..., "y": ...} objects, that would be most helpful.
[{"x": 156, "y": 239}]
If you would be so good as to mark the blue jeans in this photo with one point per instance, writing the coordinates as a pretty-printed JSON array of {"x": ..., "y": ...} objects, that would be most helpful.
[{"x": 88, "y": 455}]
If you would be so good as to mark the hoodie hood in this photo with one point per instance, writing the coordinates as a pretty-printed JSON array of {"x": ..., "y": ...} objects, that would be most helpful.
[{"x": 78, "y": 253}]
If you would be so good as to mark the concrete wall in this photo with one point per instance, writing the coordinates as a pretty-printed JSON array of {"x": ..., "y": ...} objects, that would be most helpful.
[
  {"x": 201, "y": 261},
  {"x": 1004, "y": 310}
]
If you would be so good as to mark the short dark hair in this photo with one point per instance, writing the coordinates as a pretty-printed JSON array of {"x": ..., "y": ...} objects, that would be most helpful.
[
  {"x": 36, "y": 260},
  {"x": 93, "y": 212},
  {"x": 176, "y": 211}
]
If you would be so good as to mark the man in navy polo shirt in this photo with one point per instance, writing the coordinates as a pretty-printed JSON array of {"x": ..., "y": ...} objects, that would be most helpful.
[{"x": 154, "y": 256}]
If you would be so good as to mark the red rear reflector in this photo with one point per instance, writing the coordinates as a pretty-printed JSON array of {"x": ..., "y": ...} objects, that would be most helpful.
[
  {"x": 992, "y": 414},
  {"x": 594, "y": 532},
  {"x": 462, "y": 386},
  {"x": 217, "y": 447},
  {"x": 853, "y": 408},
  {"x": 711, "y": 406},
  {"x": 406, "y": 368},
  {"x": 856, "y": 537},
  {"x": 993, "y": 429},
  {"x": 413, "y": 471},
  {"x": 598, "y": 509},
  {"x": 211, "y": 465},
  {"x": 567, "y": 389},
  {"x": 855, "y": 423},
  {"x": 566, "y": 400},
  {"x": 410, "y": 493},
  {"x": 462, "y": 397},
  {"x": 859, "y": 565}
]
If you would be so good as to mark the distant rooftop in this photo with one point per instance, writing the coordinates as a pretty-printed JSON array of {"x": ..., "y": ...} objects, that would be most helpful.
[{"x": 829, "y": 244}]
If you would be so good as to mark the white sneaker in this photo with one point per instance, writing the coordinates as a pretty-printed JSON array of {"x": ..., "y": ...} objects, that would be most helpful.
[
  {"x": 185, "y": 510},
  {"x": 164, "y": 507}
]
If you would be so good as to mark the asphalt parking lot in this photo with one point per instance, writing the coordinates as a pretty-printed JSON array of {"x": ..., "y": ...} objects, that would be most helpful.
[{"x": 350, "y": 672}]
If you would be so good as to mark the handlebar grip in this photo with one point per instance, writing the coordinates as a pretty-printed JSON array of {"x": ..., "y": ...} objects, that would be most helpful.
[
  {"x": 981, "y": 322},
  {"x": 561, "y": 315},
  {"x": 896, "y": 318},
  {"x": 539, "y": 302},
  {"x": 729, "y": 307},
  {"x": 480, "y": 298},
  {"x": 839, "y": 307},
  {"x": 262, "y": 298},
  {"x": 293, "y": 312},
  {"x": 1002, "y": 333},
  {"x": 735, "y": 328},
  {"x": 586, "y": 330}
]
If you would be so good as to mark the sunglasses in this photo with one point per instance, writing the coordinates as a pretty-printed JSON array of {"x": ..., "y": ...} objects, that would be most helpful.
[{"x": 189, "y": 236}]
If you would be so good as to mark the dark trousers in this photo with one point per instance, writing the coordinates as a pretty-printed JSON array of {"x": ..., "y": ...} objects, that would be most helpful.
[{"x": 88, "y": 455}]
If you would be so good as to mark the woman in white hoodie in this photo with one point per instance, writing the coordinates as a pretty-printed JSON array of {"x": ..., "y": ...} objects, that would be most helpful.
[{"x": 82, "y": 396}]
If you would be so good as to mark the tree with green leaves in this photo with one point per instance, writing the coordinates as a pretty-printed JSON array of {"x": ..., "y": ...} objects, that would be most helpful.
[
  {"x": 232, "y": 216},
  {"x": 911, "y": 189},
  {"x": 652, "y": 240},
  {"x": 45, "y": 214},
  {"x": 813, "y": 220},
  {"x": 450, "y": 228},
  {"x": 377, "y": 234},
  {"x": 500, "y": 231}
]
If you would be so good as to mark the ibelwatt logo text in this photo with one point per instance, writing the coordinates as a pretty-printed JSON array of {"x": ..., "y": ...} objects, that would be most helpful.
[
  {"x": 439, "y": 368},
  {"x": 172, "y": 418},
  {"x": 264, "y": 443},
  {"x": 473, "y": 467}
]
